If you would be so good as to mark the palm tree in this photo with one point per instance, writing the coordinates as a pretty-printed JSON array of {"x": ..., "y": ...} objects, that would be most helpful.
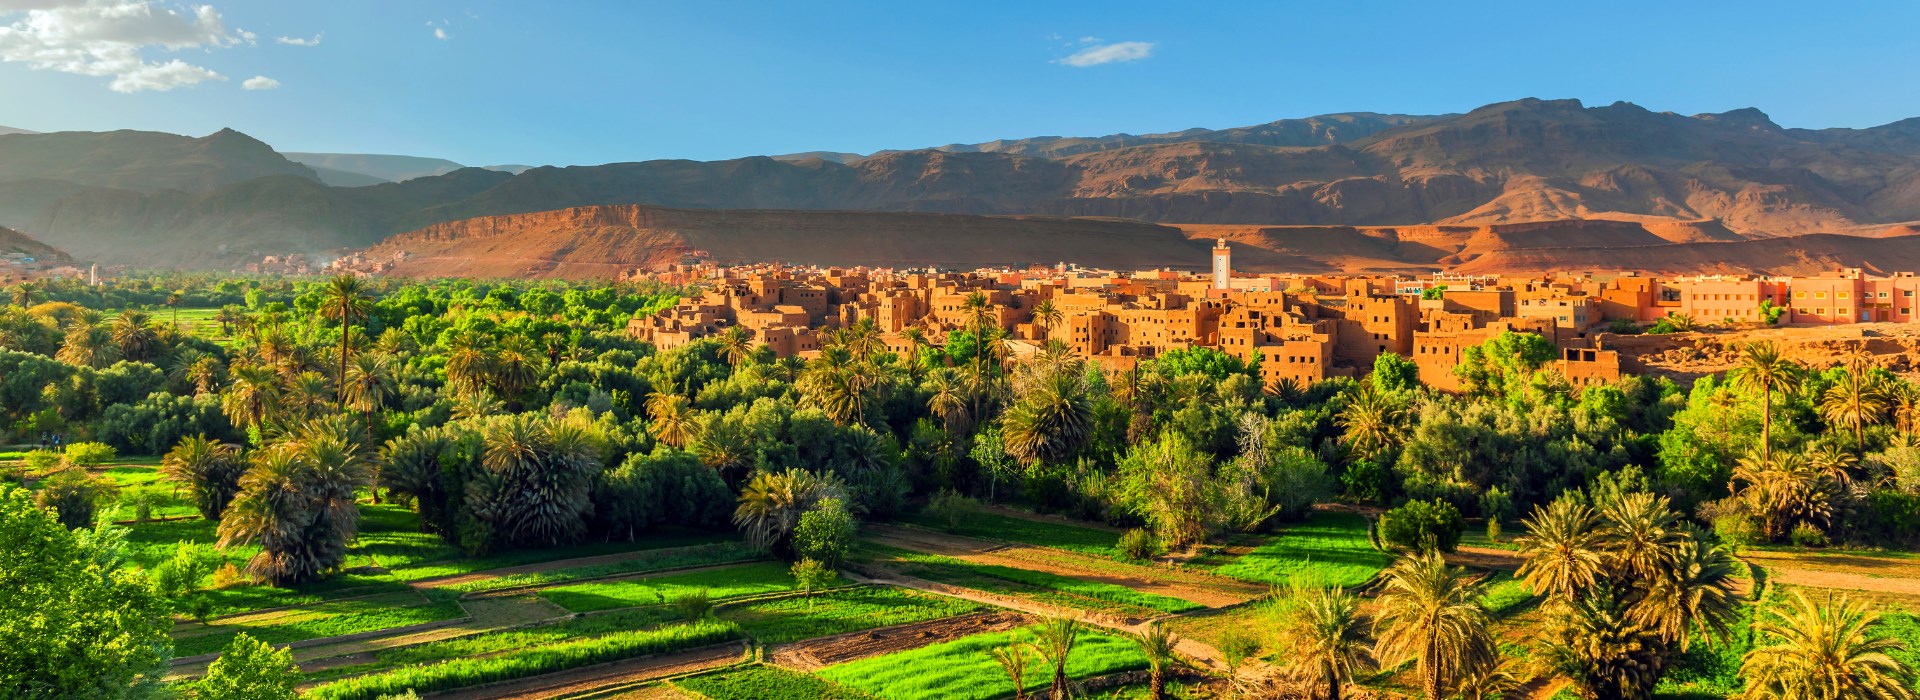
[
  {"x": 772, "y": 503},
  {"x": 133, "y": 333},
  {"x": 173, "y": 302},
  {"x": 916, "y": 341},
  {"x": 673, "y": 419},
  {"x": 1048, "y": 316},
  {"x": 346, "y": 301},
  {"x": 1489, "y": 678},
  {"x": 1781, "y": 490},
  {"x": 948, "y": 400},
  {"x": 863, "y": 340},
  {"x": 1323, "y": 628},
  {"x": 1855, "y": 403},
  {"x": 1051, "y": 422},
  {"x": 1055, "y": 644},
  {"x": 412, "y": 465},
  {"x": 1372, "y": 422},
  {"x": 1595, "y": 642},
  {"x": 1903, "y": 400},
  {"x": 1828, "y": 650},
  {"x": 515, "y": 369},
  {"x": 1431, "y": 613},
  {"x": 229, "y": 317},
  {"x": 210, "y": 470},
  {"x": 297, "y": 503},
  {"x": 87, "y": 345},
  {"x": 469, "y": 361},
  {"x": 306, "y": 393},
  {"x": 736, "y": 346},
  {"x": 1157, "y": 643},
  {"x": 252, "y": 396},
  {"x": 370, "y": 383},
  {"x": 1562, "y": 550},
  {"x": 840, "y": 384},
  {"x": 25, "y": 293},
  {"x": 1762, "y": 368},
  {"x": 539, "y": 473},
  {"x": 1013, "y": 659}
]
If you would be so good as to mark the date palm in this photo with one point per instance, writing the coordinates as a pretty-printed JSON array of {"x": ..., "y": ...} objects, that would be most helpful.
[
  {"x": 1595, "y": 642},
  {"x": 949, "y": 400},
  {"x": 515, "y": 369},
  {"x": 370, "y": 383},
  {"x": 1490, "y": 678},
  {"x": 209, "y": 469},
  {"x": 252, "y": 396},
  {"x": 736, "y": 346},
  {"x": 1562, "y": 550},
  {"x": 413, "y": 465},
  {"x": 1855, "y": 402},
  {"x": 1762, "y": 368},
  {"x": 1157, "y": 643},
  {"x": 672, "y": 419},
  {"x": 863, "y": 340},
  {"x": 346, "y": 302},
  {"x": 1048, "y": 316},
  {"x": 771, "y": 505},
  {"x": 297, "y": 504},
  {"x": 305, "y": 395},
  {"x": 469, "y": 362},
  {"x": 1372, "y": 422},
  {"x": 1780, "y": 490},
  {"x": 1327, "y": 638},
  {"x": 1430, "y": 612},
  {"x": 839, "y": 384},
  {"x": 1051, "y": 422},
  {"x": 88, "y": 345},
  {"x": 1055, "y": 642},
  {"x": 1827, "y": 649},
  {"x": 1013, "y": 659},
  {"x": 133, "y": 333},
  {"x": 538, "y": 475},
  {"x": 26, "y": 293}
]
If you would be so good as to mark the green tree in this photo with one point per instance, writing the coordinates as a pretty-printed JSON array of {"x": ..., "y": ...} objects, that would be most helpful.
[
  {"x": 297, "y": 503},
  {"x": 1828, "y": 649},
  {"x": 1430, "y": 612},
  {"x": 74, "y": 621},
  {"x": 210, "y": 470},
  {"x": 772, "y": 504},
  {"x": 1763, "y": 369},
  {"x": 1423, "y": 526},
  {"x": 1393, "y": 373},
  {"x": 812, "y": 575},
  {"x": 825, "y": 533},
  {"x": 1327, "y": 637},
  {"x": 1504, "y": 365},
  {"x": 250, "y": 669},
  {"x": 347, "y": 303}
]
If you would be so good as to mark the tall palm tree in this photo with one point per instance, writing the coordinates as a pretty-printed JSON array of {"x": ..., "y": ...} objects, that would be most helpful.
[
  {"x": 370, "y": 383},
  {"x": 133, "y": 332},
  {"x": 1903, "y": 401},
  {"x": 1055, "y": 643},
  {"x": 1763, "y": 369},
  {"x": 210, "y": 470},
  {"x": 469, "y": 362},
  {"x": 1562, "y": 550},
  {"x": 1430, "y": 612},
  {"x": 736, "y": 346},
  {"x": 1826, "y": 649},
  {"x": 1856, "y": 402},
  {"x": 1157, "y": 643},
  {"x": 306, "y": 394},
  {"x": 1323, "y": 628},
  {"x": 229, "y": 317},
  {"x": 297, "y": 504},
  {"x": 26, "y": 293},
  {"x": 840, "y": 384},
  {"x": 1048, "y": 316},
  {"x": 863, "y": 340},
  {"x": 948, "y": 400},
  {"x": 347, "y": 302},
  {"x": 515, "y": 369},
  {"x": 88, "y": 345},
  {"x": 673, "y": 419}
]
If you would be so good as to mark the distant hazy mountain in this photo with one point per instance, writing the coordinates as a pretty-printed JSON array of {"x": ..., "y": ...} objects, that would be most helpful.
[
  {"x": 384, "y": 168},
  {"x": 143, "y": 161},
  {"x": 1521, "y": 161},
  {"x": 4, "y": 130}
]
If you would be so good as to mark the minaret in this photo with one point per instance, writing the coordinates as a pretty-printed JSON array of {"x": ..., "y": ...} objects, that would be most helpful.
[{"x": 1222, "y": 265}]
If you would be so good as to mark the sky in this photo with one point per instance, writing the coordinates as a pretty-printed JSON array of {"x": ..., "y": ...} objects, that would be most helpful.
[{"x": 587, "y": 82}]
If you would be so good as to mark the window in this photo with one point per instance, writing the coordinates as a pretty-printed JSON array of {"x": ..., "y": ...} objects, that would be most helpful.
[
  {"x": 1819, "y": 295},
  {"x": 1799, "y": 295}
]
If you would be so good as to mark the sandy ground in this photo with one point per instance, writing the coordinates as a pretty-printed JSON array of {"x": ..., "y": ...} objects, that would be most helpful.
[
  {"x": 1204, "y": 589},
  {"x": 814, "y": 654}
]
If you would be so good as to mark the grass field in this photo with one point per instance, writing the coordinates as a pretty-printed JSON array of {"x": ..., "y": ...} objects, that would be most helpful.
[
  {"x": 837, "y": 612},
  {"x": 1328, "y": 549},
  {"x": 962, "y": 669},
  {"x": 502, "y": 641},
  {"x": 761, "y": 682},
  {"x": 994, "y": 526},
  {"x": 730, "y": 582},
  {"x": 1033, "y": 585},
  {"x": 329, "y": 619}
]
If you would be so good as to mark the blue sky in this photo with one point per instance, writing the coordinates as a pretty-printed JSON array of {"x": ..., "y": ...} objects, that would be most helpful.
[{"x": 578, "y": 82}]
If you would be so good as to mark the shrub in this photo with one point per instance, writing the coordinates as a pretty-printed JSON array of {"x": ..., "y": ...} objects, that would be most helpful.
[
  {"x": 41, "y": 461},
  {"x": 1138, "y": 544},
  {"x": 693, "y": 606},
  {"x": 953, "y": 509},
  {"x": 180, "y": 574},
  {"x": 1423, "y": 526},
  {"x": 812, "y": 575},
  {"x": 1366, "y": 481},
  {"x": 250, "y": 669},
  {"x": 1236, "y": 646},
  {"x": 1806, "y": 535},
  {"x": 71, "y": 495},
  {"x": 825, "y": 533},
  {"x": 1737, "y": 530},
  {"x": 90, "y": 454},
  {"x": 228, "y": 576}
]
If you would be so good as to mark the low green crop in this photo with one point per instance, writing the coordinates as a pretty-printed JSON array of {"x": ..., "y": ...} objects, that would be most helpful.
[
  {"x": 1329, "y": 549},
  {"x": 786, "y": 620},
  {"x": 730, "y": 582},
  {"x": 469, "y": 672},
  {"x": 994, "y": 526},
  {"x": 963, "y": 669},
  {"x": 1036, "y": 585},
  {"x": 767, "y": 683}
]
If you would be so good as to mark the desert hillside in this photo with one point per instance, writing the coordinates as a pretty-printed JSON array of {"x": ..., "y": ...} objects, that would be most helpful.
[{"x": 12, "y": 241}]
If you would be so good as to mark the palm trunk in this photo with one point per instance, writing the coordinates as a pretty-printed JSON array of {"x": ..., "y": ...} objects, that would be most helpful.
[
  {"x": 1333, "y": 687},
  {"x": 1431, "y": 670},
  {"x": 1157, "y": 684},
  {"x": 1059, "y": 689},
  {"x": 1766, "y": 425}
]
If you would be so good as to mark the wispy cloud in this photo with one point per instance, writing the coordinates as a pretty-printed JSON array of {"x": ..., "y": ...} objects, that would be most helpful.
[
  {"x": 260, "y": 82},
  {"x": 440, "y": 30},
  {"x": 298, "y": 41},
  {"x": 109, "y": 38},
  {"x": 1100, "y": 54}
]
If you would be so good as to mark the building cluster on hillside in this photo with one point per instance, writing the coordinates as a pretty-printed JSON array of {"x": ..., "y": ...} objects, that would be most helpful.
[
  {"x": 1302, "y": 328},
  {"x": 17, "y": 267}
]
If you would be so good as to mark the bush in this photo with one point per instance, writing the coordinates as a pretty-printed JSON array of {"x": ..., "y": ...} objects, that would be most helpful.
[
  {"x": 1806, "y": 535},
  {"x": 825, "y": 533},
  {"x": 1423, "y": 526},
  {"x": 1737, "y": 530},
  {"x": 90, "y": 454},
  {"x": 71, "y": 495},
  {"x": 41, "y": 461},
  {"x": 953, "y": 509},
  {"x": 1366, "y": 481},
  {"x": 180, "y": 574},
  {"x": 250, "y": 669},
  {"x": 1138, "y": 544},
  {"x": 693, "y": 606},
  {"x": 228, "y": 576},
  {"x": 812, "y": 575}
]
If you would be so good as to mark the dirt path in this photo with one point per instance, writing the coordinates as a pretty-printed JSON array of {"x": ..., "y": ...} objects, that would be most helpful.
[
  {"x": 1052, "y": 519},
  {"x": 592, "y": 678},
  {"x": 1841, "y": 570},
  {"x": 814, "y": 654},
  {"x": 1204, "y": 589},
  {"x": 1485, "y": 558}
]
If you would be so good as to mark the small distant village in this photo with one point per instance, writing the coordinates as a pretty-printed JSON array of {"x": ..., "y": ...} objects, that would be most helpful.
[{"x": 1301, "y": 328}]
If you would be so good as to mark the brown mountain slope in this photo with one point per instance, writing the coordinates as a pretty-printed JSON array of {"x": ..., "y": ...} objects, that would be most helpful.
[
  {"x": 1791, "y": 255},
  {"x": 12, "y": 241},
  {"x": 143, "y": 161},
  {"x": 589, "y": 242}
]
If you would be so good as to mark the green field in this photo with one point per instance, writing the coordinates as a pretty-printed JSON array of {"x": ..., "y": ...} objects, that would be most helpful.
[
  {"x": 1033, "y": 585},
  {"x": 963, "y": 669},
  {"x": 729, "y": 582},
  {"x": 994, "y": 526},
  {"x": 1328, "y": 549},
  {"x": 328, "y": 619},
  {"x": 760, "y": 682},
  {"x": 784, "y": 620}
]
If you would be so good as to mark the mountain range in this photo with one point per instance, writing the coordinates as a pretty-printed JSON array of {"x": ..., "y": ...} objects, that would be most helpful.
[{"x": 1729, "y": 178}]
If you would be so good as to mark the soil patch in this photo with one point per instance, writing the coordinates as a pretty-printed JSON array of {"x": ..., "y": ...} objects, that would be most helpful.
[{"x": 826, "y": 651}]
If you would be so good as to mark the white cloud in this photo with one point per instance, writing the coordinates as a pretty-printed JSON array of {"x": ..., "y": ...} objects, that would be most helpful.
[
  {"x": 298, "y": 41},
  {"x": 1118, "y": 52},
  {"x": 1089, "y": 40},
  {"x": 260, "y": 82},
  {"x": 108, "y": 38},
  {"x": 440, "y": 33}
]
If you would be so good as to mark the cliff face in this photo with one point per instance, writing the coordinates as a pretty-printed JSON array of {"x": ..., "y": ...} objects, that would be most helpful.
[{"x": 603, "y": 241}]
